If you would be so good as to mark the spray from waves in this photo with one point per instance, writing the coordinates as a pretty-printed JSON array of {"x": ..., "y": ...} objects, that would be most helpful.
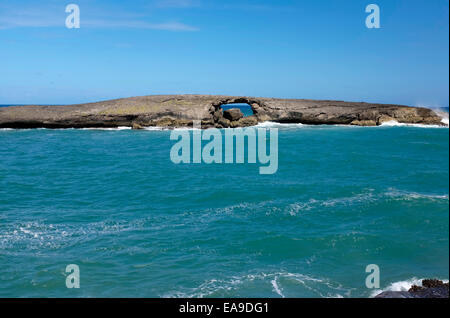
[
  {"x": 403, "y": 285},
  {"x": 443, "y": 114}
]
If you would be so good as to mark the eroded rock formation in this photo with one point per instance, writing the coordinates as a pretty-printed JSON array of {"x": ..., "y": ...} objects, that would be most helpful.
[
  {"x": 180, "y": 110},
  {"x": 233, "y": 114}
]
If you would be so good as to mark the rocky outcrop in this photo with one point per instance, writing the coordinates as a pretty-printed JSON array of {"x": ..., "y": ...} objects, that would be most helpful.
[
  {"x": 431, "y": 288},
  {"x": 136, "y": 126},
  {"x": 233, "y": 114},
  {"x": 181, "y": 110}
]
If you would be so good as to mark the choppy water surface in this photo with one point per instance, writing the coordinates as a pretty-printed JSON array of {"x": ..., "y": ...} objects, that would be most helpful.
[{"x": 138, "y": 225}]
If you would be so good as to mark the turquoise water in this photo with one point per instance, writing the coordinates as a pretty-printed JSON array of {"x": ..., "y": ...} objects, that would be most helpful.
[
  {"x": 112, "y": 202},
  {"x": 245, "y": 108}
]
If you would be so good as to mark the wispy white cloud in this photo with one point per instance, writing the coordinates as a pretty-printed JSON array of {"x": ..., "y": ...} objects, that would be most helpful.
[
  {"x": 172, "y": 26},
  {"x": 135, "y": 24},
  {"x": 245, "y": 6},
  {"x": 54, "y": 16},
  {"x": 177, "y": 3},
  {"x": 15, "y": 16}
]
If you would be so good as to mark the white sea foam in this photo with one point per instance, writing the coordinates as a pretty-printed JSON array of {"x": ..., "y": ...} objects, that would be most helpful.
[
  {"x": 271, "y": 124},
  {"x": 38, "y": 235},
  {"x": 276, "y": 288},
  {"x": 107, "y": 128},
  {"x": 154, "y": 128},
  {"x": 298, "y": 207},
  {"x": 88, "y": 128},
  {"x": 394, "y": 123},
  {"x": 183, "y": 128},
  {"x": 273, "y": 281},
  {"x": 408, "y": 195},
  {"x": 403, "y": 285},
  {"x": 365, "y": 197}
]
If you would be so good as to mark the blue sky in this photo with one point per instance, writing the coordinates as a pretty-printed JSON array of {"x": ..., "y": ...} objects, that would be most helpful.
[{"x": 294, "y": 49}]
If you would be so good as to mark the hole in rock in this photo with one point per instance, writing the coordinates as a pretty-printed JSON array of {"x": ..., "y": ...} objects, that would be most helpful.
[{"x": 246, "y": 109}]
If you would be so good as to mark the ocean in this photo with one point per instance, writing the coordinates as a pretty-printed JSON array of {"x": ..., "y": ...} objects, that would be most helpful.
[{"x": 137, "y": 225}]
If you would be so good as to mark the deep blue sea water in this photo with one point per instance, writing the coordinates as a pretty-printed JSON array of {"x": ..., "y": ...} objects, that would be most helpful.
[{"x": 112, "y": 202}]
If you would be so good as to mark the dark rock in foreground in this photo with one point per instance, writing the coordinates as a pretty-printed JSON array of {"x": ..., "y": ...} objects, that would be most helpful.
[
  {"x": 431, "y": 288},
  {"x": 172, "y": 111},
  {"x": 233, "y": 114}
]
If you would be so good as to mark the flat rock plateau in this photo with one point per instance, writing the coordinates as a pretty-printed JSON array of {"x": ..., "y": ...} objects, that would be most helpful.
[{"x": 174, "y": 111}]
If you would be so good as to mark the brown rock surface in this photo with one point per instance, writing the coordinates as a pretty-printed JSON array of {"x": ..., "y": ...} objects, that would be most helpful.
[
  {"x": 180, "y": 111},
  {"x": 233, "y": 114}
]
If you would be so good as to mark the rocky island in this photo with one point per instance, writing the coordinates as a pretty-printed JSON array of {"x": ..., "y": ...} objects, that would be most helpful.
[{"x": 172, "y": 111}]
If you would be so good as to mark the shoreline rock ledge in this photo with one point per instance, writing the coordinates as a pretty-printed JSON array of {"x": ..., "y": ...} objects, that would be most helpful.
[
  {"x": 431, "y": 288},
  {"x": 173, "y": 111}
]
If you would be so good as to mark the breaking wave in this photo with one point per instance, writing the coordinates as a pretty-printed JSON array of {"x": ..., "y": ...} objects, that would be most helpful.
[
  {"x": 271, "y": 124},
  {"x": 394, "y": 123},
  {"x": 100, "y": 128}
]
